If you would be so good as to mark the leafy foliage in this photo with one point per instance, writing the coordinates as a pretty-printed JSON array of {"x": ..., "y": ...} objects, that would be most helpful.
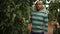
[
  {"x": 11, "y": 11},
  {"x": 53, "y": 10}
]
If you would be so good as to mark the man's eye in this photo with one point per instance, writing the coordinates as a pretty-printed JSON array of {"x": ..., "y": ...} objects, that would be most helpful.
[{"x": 38, "y": 4}]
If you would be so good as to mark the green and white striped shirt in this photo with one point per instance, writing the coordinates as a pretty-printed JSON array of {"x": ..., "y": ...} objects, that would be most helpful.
[{"x": 39, "y": 21}]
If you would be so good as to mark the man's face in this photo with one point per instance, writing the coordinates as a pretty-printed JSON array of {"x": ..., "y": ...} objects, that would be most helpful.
[{"x": 38, "y": 5}]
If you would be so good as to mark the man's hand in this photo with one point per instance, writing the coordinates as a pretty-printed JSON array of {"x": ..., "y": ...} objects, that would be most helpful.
[{"x": 29, "y": 27}]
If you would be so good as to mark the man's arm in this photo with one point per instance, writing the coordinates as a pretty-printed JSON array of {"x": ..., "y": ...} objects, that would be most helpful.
[
  {"x": 30, "y": 23},
  {"x": 46, "y": 23},
  {"x": 29, "y": 27}
]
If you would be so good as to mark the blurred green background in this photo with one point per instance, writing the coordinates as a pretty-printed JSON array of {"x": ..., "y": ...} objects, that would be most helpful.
[{"x": 14, "y": 13}]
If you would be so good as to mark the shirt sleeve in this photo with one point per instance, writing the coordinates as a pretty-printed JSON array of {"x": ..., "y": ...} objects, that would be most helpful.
[
  {"x": 30, "y": 19},
  {"x": 45, "y": 22}
]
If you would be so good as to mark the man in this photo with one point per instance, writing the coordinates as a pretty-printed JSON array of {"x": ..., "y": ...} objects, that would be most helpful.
[{"x": 39, "y": 20}]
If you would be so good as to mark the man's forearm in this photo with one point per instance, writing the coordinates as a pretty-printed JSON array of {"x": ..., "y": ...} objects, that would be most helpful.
[{"x": 29, "y": 26}]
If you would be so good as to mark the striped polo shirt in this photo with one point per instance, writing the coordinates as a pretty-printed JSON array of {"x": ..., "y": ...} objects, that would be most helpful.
[{"x": 39, "y": 21}]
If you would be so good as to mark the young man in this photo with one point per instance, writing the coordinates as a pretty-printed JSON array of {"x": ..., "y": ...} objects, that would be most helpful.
[{"x": 39, "y": 20}]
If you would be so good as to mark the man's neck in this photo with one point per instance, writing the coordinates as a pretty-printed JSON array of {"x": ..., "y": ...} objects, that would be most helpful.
[{"x": 38, "y": 10}]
